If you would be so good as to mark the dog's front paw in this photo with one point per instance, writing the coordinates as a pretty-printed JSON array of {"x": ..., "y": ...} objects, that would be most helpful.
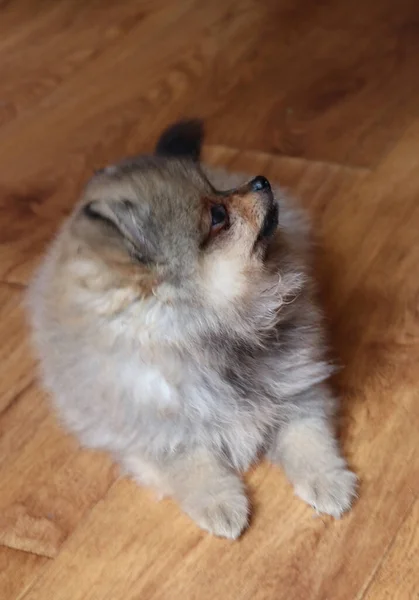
[
  {"x": 331, "y": 492},
  {"x": 224, "y": 519},
  {"x": 225, "y": 515}
]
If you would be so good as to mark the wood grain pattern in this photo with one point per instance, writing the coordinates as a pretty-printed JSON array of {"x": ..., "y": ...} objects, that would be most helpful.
[
  {"x": 14, "y": 351},
  {"x": 397, "y": 577},
  {"x": 41, "y": 500},
  {"x": 48, "y": 484},
  {"x": 350, "y": 108},
  {"x": 320, "y": 97},
  {"x": 17, "y": 570}
]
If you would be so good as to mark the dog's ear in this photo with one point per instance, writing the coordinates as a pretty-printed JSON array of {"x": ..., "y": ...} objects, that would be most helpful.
[
  {"x": 182, "y": 140},
  {"x": 121, "y": 218}
]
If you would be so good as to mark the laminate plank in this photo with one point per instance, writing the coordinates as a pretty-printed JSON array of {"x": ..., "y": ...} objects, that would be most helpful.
[
  {"x": 48, "y": 485},
  {"x": 16, "y": 361},
  {"x": 17, "y": 570},
  {"x": 117, "y": 94},
  {"x": 60, "y": 39},
  {"x": 397, "y": 577}
]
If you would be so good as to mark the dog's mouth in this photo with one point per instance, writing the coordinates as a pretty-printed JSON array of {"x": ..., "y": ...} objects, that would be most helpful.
[{"x": 270, "y": 222}]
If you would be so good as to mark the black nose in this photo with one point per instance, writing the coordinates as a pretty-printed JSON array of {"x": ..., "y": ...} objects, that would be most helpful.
[{"x": 260, "y": 183}]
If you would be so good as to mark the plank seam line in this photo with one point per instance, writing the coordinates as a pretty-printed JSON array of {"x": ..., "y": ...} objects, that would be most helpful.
[
  {"x": 67, "y": 540},
  {"x": 387, "y": 551},
  {"x": 278, "y": 156},
  {"x": 15, "y": 399}
]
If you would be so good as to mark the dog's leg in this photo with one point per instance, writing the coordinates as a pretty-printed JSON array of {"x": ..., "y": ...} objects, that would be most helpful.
[
  {"x": 307, "y": 449},
  {"x": 208, "y": 491}
]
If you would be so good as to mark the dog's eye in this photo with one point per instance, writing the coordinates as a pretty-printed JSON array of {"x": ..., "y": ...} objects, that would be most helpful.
[{"x": 219, "y": 217}]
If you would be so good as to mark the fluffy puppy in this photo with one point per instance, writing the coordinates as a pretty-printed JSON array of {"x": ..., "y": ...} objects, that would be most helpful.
[{"x": 176, "y": 329}]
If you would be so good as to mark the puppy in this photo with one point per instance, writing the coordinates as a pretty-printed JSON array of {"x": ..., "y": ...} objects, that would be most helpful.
[{"x": 176, "y": 328}]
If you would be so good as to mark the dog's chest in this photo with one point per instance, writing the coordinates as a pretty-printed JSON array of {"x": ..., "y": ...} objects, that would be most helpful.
[{"x": 190, "y": 404}]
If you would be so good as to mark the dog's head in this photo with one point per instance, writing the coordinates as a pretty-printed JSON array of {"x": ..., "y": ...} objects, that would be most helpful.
[{"x": 158, "y": 224}]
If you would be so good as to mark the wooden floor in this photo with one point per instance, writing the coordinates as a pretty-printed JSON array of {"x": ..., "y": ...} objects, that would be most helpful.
[{"x": 320, "y": 96}]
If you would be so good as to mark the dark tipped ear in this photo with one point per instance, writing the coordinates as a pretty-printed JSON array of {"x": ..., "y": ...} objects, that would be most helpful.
[
  {"x": 182, "y": 140},
  {"x": 119, "y": 217}
]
